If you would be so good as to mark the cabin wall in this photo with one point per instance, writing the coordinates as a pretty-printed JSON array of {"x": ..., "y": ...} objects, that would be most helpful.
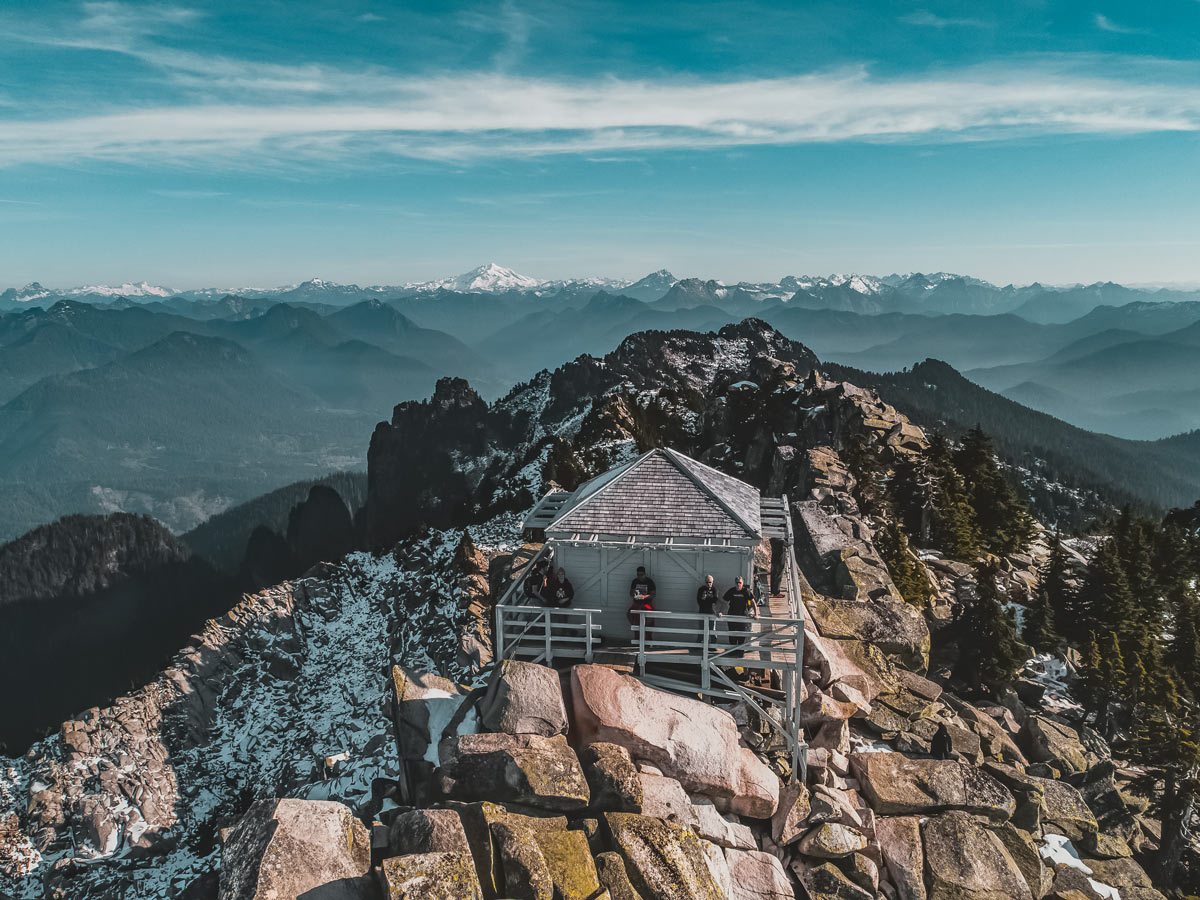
[{"x": 601, "y": 576}]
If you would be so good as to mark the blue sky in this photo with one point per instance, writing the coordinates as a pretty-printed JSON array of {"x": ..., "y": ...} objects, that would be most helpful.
[{"x": 264, "y": 143}]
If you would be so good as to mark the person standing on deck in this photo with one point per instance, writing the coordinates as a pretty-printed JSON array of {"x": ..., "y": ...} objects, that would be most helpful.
[
  {"x": 707, "y": 598},
  {"x": 740, "y": 601},
  {"x": 642, "y": 591}
]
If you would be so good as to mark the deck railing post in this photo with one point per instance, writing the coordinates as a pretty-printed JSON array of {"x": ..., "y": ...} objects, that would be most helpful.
[
  {"x": 500, "y": 632},
  {"x": 705, "y": 678},
  {"x": 549, "y": 643},
  {"x": 641, "y": 627},
  {"x": 588, "y": 645}
]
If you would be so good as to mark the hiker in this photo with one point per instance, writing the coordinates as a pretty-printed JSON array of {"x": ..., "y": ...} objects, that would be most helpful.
[
  {"x": 558, "y": 591},
  {"x": 740, "y": 602},
  {"x": 642, "y": 591},
  {"x": 535, "y": 583},
  {"x": 708, "y": 600}
]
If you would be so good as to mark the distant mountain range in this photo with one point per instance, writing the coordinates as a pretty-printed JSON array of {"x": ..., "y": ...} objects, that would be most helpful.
[
  {"x": 184, "y": 404},
  {"x": 938, "y": 293}
]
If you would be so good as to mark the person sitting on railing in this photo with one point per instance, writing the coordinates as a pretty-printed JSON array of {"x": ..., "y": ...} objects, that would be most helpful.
[
  {"x": 535, "y": 584},
  {"x": 740, "y": 600},
  {"x": 558, "y": 591},
  {"x": 642, "y": 591}
]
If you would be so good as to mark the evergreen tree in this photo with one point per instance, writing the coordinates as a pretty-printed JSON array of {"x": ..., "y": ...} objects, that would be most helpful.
[
  {"x": 989, "y": 653},
  {"x": 1060, "y": 593},
  {"x": 1039, "y": 631},
  {"x": 1004, "y": 521},
  {"x": 1106, "y": 603},
  {"x": 1183, "y": 654},
  {"x": 954, "y": 526},
  {"x": 906, "y": 572}
]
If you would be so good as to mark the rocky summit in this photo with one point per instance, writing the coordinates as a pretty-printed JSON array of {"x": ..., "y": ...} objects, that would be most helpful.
[{"x": 350, "y": 734}]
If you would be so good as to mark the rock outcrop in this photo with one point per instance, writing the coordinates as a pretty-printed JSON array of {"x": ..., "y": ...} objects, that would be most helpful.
[
  {"x": 289, "y": 849},
  {"x": 690, "y": 741}
]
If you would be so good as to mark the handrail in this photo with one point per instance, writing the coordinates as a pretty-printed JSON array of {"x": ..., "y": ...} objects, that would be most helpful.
[
  {"x": 544, "y": 617},
  {"x": 520, "y": 579}
]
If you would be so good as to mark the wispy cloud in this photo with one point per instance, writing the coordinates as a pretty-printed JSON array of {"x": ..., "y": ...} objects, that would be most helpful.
[
  {"x": 470, "y": 117},
  {"x": 925, "y": 19},
  {"x": 185, "y": 194},
  {"x": 1104, "y": 23}
]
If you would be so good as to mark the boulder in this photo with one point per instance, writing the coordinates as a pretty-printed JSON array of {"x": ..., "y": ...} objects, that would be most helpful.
[
  {"x": 610, "y": 868},
  {"x": 952, "y": 742},
  {"x": 430, "y": 876},
  {"x": 966, "y": 861},
  {"x": 1024, "y": 852},
  {"x": 856, "y": 663},
  {"x": 832, "y": 840},
  {"x": 904, "y": 855},
  {"x": 284, "y": 849},
  {"x": 787, "y": 825},
  {"x": 896, "y": 786},
  {"x": 423, "y": 704},
  {"x": 526, "y": 875},
  {"x": 693, "y": 742},
  {"x": 1065, "y": 811},
  {"x": 427, "y": 831},
  {"x": 612, "y": 777},
  {"x": 665, "y": 798},
  {"x": 718, "y": 867},
  {"x": 524, "y": 698},
  {"x": 664, "y": 861},
  {"x": 863, "y": 871},
  {"x": 996, "y": 742},
  {"x": 477, "y": 820},
  {"x": 721, "y": 830},
  {"x": 1028, "y": 793},
  {"x": 831, "y": 804},
  {"x": 827, "y": 882},
  {"x": 523, "y": 768},
  {"x": 754, "y": 875},
  {"x": 569, "y": 860},
  {"x": 1054, "y": 743},
  {"x": 895, "y": 627}
]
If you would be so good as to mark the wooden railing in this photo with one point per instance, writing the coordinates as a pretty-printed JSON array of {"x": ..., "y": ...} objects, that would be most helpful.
[{"x": 541, "y": 633}]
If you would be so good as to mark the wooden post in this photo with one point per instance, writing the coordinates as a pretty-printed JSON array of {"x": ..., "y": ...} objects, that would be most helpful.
[
  {"x": 705, "y": 677},
  {"x": 500, "y": 632},
  {"x": 588, "y": 645},
  {"x": 549, "y": 643},
  {"x": 641, "y": 627}
]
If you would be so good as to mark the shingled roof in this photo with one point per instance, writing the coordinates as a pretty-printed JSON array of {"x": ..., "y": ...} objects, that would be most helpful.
[{"x": 663, "y": 494}]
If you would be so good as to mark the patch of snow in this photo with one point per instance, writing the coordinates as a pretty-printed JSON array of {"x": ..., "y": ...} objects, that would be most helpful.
[{"x": 1059, "y": 850}]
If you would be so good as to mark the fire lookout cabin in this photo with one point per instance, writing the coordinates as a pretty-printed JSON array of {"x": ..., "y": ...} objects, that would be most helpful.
[{"x": 681, "y": 520}]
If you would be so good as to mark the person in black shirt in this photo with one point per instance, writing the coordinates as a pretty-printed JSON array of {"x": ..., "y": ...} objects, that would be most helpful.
[
  {"x": 707, "y": 598},
  {"x": 740, "y": 600},
  {"x": 535, "y": 583},
  {"x": 641, "y": 595},
  {"x": 558, "y": 591}
]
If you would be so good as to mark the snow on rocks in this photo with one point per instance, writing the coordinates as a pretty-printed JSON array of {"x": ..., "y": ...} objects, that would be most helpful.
[
  {"x": 1060, "y": 851},
  {"x": 250, "y": 709}
]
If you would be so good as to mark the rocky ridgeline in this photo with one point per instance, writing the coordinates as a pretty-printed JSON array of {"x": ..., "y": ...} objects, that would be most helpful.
[
  {"x": 285, "y": 769},
  {"x": 283, "y": 696}
]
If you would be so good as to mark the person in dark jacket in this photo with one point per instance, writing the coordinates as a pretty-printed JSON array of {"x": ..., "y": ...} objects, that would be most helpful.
[
  {"x": 741, "y": 603},
  {"x": 708, "y": 601},
  {"x": 642, "y": 591},
  {"x": 558, "y": 591},
  {"x": 535, "y": 583}
]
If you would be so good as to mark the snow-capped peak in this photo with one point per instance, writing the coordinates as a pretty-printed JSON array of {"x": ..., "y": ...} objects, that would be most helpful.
[
  {"x": 489, "y": 277},
  {"x": 138, "y": 289}
]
